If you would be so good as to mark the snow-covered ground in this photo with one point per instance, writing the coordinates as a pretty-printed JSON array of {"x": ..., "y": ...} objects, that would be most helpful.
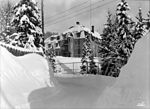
[
  {"x": 20, "y": 76},
  {"x": 23, "y": 82}
]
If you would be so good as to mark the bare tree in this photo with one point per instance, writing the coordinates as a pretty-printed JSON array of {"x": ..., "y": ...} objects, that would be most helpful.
[{"x": 5, "y": 15}]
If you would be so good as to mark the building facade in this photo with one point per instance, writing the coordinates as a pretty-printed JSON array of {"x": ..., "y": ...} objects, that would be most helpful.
[
  {"x": 75, "y": 38},
  {"x": 70, "y": 42}
]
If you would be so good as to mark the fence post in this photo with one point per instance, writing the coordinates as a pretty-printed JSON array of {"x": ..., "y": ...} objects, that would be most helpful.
[
  {"x": 73, "y": 67},
  {"x": 98, "y": 68},
  {"x": 87, "y": 68}
]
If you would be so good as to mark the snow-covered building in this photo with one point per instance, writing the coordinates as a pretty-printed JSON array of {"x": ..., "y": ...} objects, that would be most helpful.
[
  {"x": 70, "y": 42},
  {"x": 74, "y": 39},
  {"x": 54, "y": 40}
]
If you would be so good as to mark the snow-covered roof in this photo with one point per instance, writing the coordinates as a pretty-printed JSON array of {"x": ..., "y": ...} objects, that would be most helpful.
[
  {"x": 54, "y": 36},
  {"x": 79, "y": 28}
]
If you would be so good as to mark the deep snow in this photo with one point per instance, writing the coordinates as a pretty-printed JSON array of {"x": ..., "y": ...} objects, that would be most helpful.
[
  {"x": 24, "y": 87},
  {"x": 21, "y": 75}
]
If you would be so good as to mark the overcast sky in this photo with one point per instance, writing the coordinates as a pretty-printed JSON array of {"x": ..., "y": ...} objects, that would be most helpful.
[{"x": 58, "y": 20}]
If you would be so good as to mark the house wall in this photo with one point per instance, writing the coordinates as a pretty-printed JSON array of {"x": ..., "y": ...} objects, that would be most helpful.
[
  {"x": 72, "y": 47},
  {"x": 78, "y": 45},
  {"x": 65, "y": 48}
]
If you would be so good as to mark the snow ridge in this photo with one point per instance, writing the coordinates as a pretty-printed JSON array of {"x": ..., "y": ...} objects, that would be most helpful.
[{"x": 20, "y": 49}]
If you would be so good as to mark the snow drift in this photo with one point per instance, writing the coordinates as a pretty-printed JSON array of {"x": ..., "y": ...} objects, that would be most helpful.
[
  {"x": 24, "y": 79},
  {"x": 129, "y": 90},
  {"x": 20, "y": 76}
]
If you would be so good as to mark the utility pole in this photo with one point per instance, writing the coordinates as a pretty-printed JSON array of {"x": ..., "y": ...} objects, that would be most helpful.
[{"x": 42, "y": 14}]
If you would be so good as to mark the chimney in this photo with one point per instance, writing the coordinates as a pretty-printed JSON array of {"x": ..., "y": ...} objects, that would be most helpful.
[
  {"x": 77, "y": 23},
  {"x": 92, "y": 30}
]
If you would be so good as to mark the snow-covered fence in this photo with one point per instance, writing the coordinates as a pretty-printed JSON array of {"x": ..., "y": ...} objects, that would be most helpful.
[
  {"x": 74, "y": 68},
  {"x": 18, "y": 51}
]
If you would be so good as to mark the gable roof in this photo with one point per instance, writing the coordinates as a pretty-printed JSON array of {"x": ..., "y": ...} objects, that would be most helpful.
[{"x": 79, "y": 28}]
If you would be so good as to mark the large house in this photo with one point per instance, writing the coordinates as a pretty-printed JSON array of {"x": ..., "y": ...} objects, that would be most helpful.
[
  {"x": 74, "y": 39},
  {"x": 70, "y": 42}
]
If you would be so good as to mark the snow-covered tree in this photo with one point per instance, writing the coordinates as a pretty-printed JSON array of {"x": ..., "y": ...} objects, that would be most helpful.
[
  {"x": 27, "y": 23},
  {"x": 5, "y": 20},
  {"x": 5, "y": 15},
  {"x": 85, "y": 55},
  {"x": 139, "y": 26},
  {"x": 5, "y": 35},
  {"x": 119, "y": 38},
  {"x": 108, "y": 47},
  {"x": 106, "y": 37},
  {"x": 84, "y": 59},
  {"x": 88, "y": 64},
  {"x": 50, "y": 53},
  {"x": 112, "y": 50},
  {"x": 93, "y": 67},
  {"x": 123, "y": 19},
  {"x": 122, "y": 39}
]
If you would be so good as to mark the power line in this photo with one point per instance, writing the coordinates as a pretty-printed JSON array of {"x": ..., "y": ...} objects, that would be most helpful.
[
  {"x": 62, "y": 20},
  {"x": 81, "y": 9},
  {"x": 73, "y": 13},
  {"x": 62, "y": 12},
  {"x": 90, "y": 12}
]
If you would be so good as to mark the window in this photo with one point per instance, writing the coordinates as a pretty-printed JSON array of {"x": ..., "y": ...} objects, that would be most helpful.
[
  {"x": 56, "y": 45},
  {"x": 58, "y": 37},
  {"x": 52, "y": 38},
  {"x": 78, "y": 34},
  {"x": 49, "y": 45}
]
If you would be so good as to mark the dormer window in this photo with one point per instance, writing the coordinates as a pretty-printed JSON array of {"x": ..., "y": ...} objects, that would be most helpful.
[{"x": 78, "y": 34}]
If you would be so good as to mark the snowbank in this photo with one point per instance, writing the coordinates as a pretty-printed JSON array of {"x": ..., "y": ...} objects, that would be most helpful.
[
  {"x": 20, "y": 76},
  {"x": 27, "y": 74},
  {"x": 129, "y": 90}
]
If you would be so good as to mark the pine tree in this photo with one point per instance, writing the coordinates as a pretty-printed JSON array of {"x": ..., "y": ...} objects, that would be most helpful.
[
  {"x": 88, "y": 64},
  {"x": 92, "y": 64},
  {"x": 4, "y": 36},
  {"x": 139, "y": 27},
  {"x": 123, "y": 19},
  {"x": 27, "y": 23},
  {"x": 93, "y": 68},
  {"x": 85, "y": 55},
  {"x": 108, "y": 46},
  {"x": 5, "y": 15},
  {"x": 124, "y": 38},
  {"x": 106, "y": 37},
  {"x": 5, "y": 19},
  {"x": 84, "y": 59},
  {"x": 113, "y": 50},
  {"x": 50, "y": 53},
  {"x": 119, "y": 38}
]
